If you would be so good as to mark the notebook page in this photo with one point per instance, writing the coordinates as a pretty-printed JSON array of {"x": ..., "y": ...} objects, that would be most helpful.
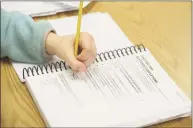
[
  {"x": 105, "y": 32},
  {"x": 132, "y": 90}
]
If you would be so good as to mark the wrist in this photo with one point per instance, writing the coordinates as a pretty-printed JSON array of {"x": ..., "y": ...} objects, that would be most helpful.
[{"x": 52, "y": 42}]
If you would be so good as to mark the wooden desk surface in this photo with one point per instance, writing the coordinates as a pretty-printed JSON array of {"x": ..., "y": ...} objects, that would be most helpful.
[{"x": 164, "y": 28}]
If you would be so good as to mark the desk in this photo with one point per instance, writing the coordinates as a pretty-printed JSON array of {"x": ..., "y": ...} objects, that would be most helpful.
[{"x": 164, "y": 28}]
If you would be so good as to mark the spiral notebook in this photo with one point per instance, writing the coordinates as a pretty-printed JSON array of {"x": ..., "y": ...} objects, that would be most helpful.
[
  {"x": 117, "y": 90},
  {"x": 125, "y": 85}
]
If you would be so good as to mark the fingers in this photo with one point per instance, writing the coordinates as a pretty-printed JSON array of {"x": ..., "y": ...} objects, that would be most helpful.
[
  {"x": 75, "y": 64},
  {"x": 87, "y": 51},
  {"x": 66, "y": 53},
  {"x": 86, "y": 56},
  {"x": 88, "y": 47},
  {"x": 87, "y": 42}
]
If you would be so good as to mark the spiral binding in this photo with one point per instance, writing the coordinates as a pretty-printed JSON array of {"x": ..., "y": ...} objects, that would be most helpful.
[{"x": 61, "y": 65}]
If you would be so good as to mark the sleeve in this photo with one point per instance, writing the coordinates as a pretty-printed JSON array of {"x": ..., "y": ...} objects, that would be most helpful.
[{"x": 23, "y": 39}]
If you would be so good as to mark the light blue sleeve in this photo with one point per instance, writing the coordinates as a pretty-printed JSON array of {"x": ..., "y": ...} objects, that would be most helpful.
[{"x": 23, "y": 39}]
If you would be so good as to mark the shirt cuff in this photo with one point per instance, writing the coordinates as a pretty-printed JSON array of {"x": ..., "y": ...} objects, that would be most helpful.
[
  {"x": 45, "y": 53},
  {"x": 48, "y": 28}
]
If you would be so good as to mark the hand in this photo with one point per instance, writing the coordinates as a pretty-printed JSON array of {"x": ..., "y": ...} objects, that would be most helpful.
[{"x": 63, "y": 47}]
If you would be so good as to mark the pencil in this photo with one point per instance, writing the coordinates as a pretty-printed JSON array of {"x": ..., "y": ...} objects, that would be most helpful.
[{"x": 78, "y": 28}]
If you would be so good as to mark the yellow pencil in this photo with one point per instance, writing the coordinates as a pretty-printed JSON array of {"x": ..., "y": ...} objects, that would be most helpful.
[{"x": 78, "y": 28}]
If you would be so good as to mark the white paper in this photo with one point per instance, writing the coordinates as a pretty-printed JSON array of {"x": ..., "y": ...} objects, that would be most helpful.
[{"x": 110, "y": 93}]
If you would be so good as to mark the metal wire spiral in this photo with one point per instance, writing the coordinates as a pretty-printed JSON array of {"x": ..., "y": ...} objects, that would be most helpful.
[{"x": 61, "y": 65}]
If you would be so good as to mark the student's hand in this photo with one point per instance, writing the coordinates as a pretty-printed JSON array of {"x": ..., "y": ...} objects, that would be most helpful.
[{"x": 63, "y": 47}]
